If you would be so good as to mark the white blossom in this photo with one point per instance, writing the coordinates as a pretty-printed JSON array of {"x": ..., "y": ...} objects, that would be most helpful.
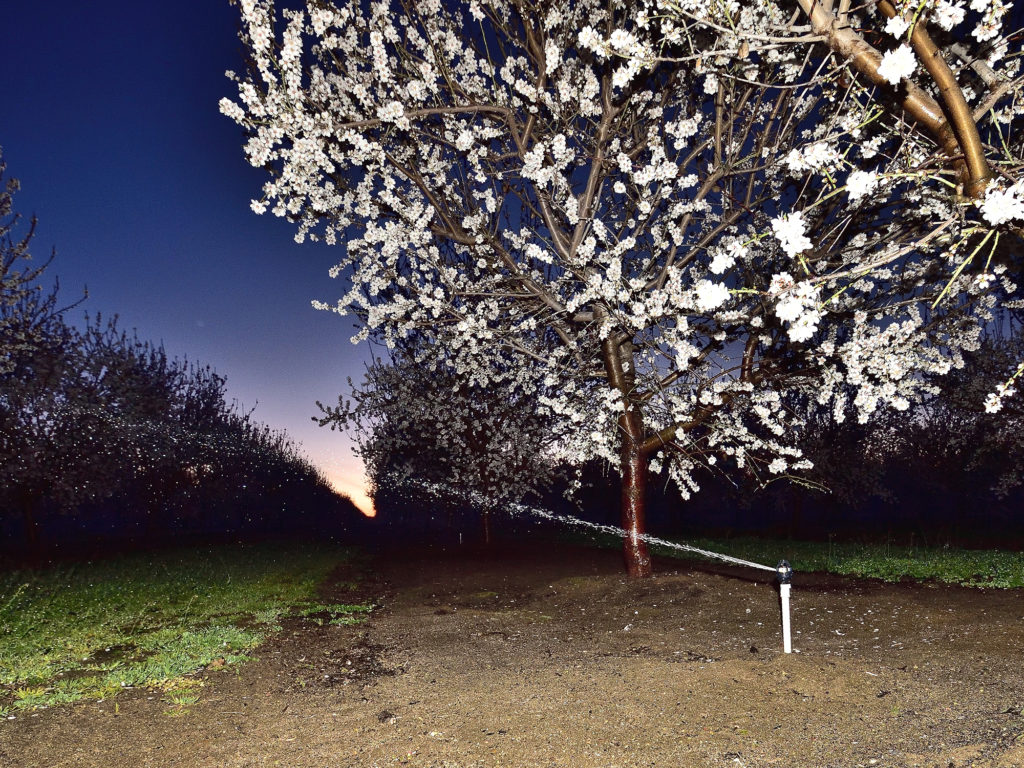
[
  {"x": 897, "y": 26},
  {"x": 993, "y": 403},
  {"x": 725, "y": 257},
  {"x": 1002, "y": 205},
  {"x": 948, "y": 15},
  {"x": 860, "y": 184},
  {"x": 590, "y": 39},
  {"x": 710, "y": 295},
  {"x": 897, "y": 64},
  {"x": 791, "y": 232}
]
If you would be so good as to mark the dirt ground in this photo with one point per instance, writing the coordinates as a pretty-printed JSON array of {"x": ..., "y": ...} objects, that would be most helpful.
[{"x": 550, "y": 657}]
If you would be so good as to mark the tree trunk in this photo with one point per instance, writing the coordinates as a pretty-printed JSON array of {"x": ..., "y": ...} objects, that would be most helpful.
[
  {"x": 33, "y": 545},
  {"x": 485, "y": 519},
  {"x": 634, "y": 501},
  {"x": 617, "y": 354}
]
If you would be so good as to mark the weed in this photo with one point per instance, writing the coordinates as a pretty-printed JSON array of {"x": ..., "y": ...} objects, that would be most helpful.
[
  {"x": 182, "y": 698},
  {"x": 267, "y": 616},
  {"x": 337, "y": 615},
  {"x": 30, "y": 697}
]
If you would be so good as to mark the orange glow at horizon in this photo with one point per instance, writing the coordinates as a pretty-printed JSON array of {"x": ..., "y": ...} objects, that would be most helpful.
[
  {"x": 340, "y": 467},
  {"x": 355, "y": 489}
]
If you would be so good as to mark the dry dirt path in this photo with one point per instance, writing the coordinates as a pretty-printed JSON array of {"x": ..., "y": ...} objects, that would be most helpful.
[{"x": 549, "y": 657}]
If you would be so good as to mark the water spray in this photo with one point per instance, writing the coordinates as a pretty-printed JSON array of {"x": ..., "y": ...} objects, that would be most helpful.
[{"x": 783, "y": 571}]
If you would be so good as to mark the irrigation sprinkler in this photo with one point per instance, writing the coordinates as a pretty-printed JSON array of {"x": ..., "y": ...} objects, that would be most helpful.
[{"x": 785, "y": 571}]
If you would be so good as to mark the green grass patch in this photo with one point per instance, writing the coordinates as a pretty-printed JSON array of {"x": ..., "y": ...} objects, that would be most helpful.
[
  {"x": 91, "y": 630},
  {"x": 949, "y": 565}
]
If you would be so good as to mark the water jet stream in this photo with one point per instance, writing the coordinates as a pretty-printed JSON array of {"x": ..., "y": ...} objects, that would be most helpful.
[{"x": 782, "y": 570}]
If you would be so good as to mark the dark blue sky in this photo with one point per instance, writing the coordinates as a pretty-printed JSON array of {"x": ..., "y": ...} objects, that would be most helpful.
[{"x": 108, "y": 116}]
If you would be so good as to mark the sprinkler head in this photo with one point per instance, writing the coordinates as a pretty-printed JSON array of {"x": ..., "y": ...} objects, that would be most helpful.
[{"x": 785, "y": 571}]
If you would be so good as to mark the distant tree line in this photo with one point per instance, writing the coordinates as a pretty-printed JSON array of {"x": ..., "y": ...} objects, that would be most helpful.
[
  {"x": 104, "y": 437},
  {"x": 946, "y": 470}
]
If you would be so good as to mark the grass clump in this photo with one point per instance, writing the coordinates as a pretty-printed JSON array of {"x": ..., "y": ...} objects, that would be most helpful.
[
  {"x": 90, "y": 630},
  {"x": 334, "y": 615}
]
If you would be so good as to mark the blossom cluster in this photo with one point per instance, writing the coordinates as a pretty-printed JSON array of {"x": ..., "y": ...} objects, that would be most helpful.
[
  {"x": 994, "y": 400},
  {"x": 797, "y": 304},
  {"x": 1002, "y": 205},
  {"x": 791, "y": 232},
  {"x": 948, "y": 14}
]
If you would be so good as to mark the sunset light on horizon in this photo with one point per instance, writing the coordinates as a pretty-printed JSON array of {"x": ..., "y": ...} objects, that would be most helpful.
[{"x": 356, "y": 493}]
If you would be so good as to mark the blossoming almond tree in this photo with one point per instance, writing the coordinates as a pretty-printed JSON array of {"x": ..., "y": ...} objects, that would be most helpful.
[{"x": 655, "y": 218}]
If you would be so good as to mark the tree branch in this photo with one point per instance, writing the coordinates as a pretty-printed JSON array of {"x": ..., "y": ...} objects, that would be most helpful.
[
  {"x": 956, "y": 105},
  {"x": 916, "y": 102}
]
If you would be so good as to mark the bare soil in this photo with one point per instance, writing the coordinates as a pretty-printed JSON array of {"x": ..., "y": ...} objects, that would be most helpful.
[{"x": 551, "y": 657}]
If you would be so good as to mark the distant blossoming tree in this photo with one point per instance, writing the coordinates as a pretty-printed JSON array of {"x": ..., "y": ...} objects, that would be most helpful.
[
  {"x": 654, "y": 218},
  {"x": 418, "y": 424},
  {"x": 27, "y": 312}
]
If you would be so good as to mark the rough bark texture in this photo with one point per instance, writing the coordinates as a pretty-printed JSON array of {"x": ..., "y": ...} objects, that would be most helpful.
[
  {"x": 619, "y": 366},
  {"x": 634, "y": 496}
]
